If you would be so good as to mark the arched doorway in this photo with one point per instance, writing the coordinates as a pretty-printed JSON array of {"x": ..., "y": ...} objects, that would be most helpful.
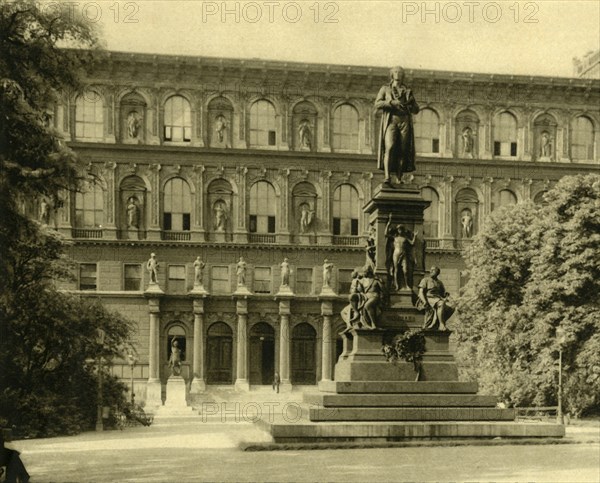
[
  {"x": 262, "y": 354},
  {"x": 304, "y": 354},
  {"x": 219, "y": 354}
]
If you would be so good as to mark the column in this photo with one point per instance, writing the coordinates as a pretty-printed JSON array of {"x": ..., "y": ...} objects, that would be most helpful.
[
  {"x": 326, "y": 312},
  {"x": 198, "y": 384},
  {"x": 284, "y": 345},
  {"x": 111, "y": 203},
  {"x": 241, "y": 382},
  {"x": 153, "y": 228},
  {"x": 153, "y": 386}
]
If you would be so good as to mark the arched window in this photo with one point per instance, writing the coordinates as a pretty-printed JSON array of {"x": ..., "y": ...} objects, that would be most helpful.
[
  {"x": 505, "y": 135},
  {"x": 89, "y": 116},
  {"x": 582, "y": 139},
  {"x": 504, "y": 198},
  {"x": 345, "y": 210},
  {"x": 177, "y": 205},
  {"x": 262, "y": 209},
  {"x": 263, "y": 124},
  {"x": 427, "y": 132},
  {"x": 431, "y": 214},
  {"x": 344, "y": 135},
  {"x": 178, "y": 119},
  {"x": 539, "y": 198},
  {"x": 89, "y": 207}
]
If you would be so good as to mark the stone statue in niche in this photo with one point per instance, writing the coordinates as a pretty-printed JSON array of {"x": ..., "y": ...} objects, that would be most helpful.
[
  {"x": 152, "y": 267},
  {"x": 134, "y": 124},
  {"x": 400, "y": 261},
  {"x": 241, "y": 272},
  {"x": 175, "y": 359},
  {"x": 434, "y": 299},
  {"x": 305, "y": 134},
  {"x": 545, "y": 145},
  {"x": 468, "y": 142},
  {"x": 466, "y": 221},
  {"x": 220, "y": 216},
  {"x": 198, "y": 267},
  {"x": 306, "y": 217},
  {"x": 133, "y": 217},
  {"x": 221, "y": 128}
]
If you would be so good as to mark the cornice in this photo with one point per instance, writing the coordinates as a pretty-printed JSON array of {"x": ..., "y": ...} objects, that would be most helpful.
[{"x": 371, "y": 74}]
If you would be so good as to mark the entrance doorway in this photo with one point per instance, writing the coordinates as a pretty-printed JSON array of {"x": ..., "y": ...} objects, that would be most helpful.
[
  {"x": 219, "y": 354},
  {"x": 304, "y": 354},
  {"x": 262, "y": 354}
]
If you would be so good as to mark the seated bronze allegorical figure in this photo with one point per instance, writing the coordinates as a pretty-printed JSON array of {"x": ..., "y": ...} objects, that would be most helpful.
[{"x": 433, "y": 298}]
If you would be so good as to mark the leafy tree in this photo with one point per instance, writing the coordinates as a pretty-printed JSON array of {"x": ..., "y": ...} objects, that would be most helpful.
[
  {"x": 47, "y": 337},
  {"x": 534, "y": 279}
]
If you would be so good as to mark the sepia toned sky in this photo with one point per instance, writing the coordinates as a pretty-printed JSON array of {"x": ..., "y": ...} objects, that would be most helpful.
[{"x": 507, "y": 37}]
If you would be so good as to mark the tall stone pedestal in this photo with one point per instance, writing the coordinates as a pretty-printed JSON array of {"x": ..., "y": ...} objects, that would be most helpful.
[
  {"x": 373, "y": 400},
  {"x": 175, "y": 401}
]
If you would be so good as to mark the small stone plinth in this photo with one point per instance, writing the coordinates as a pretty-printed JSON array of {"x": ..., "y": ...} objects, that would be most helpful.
[
  {"x": 198, "y": 290},
  {"x": 242, "y": 290},
  {"x": 284, "y": 290},
  {"x": 175, "y": 392},
  {"x": 153, "y": 288}
]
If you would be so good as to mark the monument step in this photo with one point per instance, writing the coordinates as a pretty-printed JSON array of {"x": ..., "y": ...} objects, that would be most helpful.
[
  {"x": 401, "y": 387},
  {"x": 410, "y": 414},
  {"x": 401, "y": 400},
  {"x": 374, "y": 432},
  {"x": 380, "y": 370}
]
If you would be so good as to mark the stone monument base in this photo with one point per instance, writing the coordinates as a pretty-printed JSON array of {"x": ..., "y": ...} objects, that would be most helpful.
[{"x": 373, "y": 400}]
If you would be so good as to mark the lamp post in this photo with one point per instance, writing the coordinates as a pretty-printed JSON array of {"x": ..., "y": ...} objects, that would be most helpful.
[
  {"x": 560, "y": 338},
  {"x": 132, "y": 361},
  {"x": 99, "y": 422}
]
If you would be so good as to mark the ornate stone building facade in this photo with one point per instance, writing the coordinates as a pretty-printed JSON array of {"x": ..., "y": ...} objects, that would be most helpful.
[{"x": 228, "y": 158}]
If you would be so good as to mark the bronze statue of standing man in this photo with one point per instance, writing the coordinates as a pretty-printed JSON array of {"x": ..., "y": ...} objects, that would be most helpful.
[{"x": 396, "y": 138}]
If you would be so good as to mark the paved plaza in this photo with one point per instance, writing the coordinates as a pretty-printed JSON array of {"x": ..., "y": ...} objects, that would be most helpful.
[{"x": 186, "y": 448}]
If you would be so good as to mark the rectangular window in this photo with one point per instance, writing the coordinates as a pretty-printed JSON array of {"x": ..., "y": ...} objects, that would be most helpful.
[
  {"x": 220, "y": 279},
  {"x": 272, "y": 138},
  {"x": 505, "y": 149},
  {"x": 353, "y": 227},
  {"x": 167, "y": 221},
  {"x": 496, "y": 148},
  {"x": 435, "y": 145},
  {"x": 186, "y": 222},
  {"x": 168, "y": 133},
  {"x": 253, "y": 224},
  {"x": 132, "y": 278},
  {"x": 187, "y": 134},
  {"x": 88, "y": 276},
  {"x": 513, "y": 149},
  {"x": 176, "y": 278},
  {"x": 344, "y": 280},
  {"x": 262, "y": 280},
  {"x": 337, "y": 226},
  {"x": 271, "y": 224},
  {"x": 303, "y": 281}
]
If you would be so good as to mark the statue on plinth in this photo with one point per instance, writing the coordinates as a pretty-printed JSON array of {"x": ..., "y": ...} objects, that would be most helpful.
[
  {"x": 198, "y": 267},
  {"x": 399, "y": 256},
  {"x": 433, "y": 298},
  {"x": 327, "y": 270},
  {"x": 396, "y": 153},
  {"x": 285, "y": 273},
  {"x": 220, "y": 216},
  {"x": 241, "y": 272},
  {"x": 175, "y": 359},
  {"x": 152, "y": 267}
]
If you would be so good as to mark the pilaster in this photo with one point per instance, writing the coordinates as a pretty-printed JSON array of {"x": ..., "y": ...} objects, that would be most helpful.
[{"x": 284, "y": 344}]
